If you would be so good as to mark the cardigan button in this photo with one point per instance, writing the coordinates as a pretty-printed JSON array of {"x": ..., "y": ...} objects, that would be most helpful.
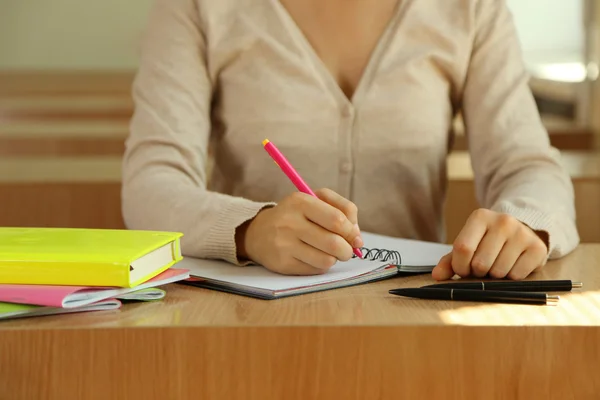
[
  {"x": 347, "y": 111},
  {"x": 346, "y": 167}
]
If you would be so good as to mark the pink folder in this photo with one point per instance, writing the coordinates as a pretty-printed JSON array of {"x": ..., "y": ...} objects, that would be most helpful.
[{"x": 77, "y": 296}]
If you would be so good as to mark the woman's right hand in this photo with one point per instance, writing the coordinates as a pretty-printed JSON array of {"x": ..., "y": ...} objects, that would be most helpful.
[{"x": 303, "y": 235}]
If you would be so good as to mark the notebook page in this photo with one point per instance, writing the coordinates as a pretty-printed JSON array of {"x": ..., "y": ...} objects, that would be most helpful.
[
  {"x": 262, "y": 278},
  {"x": 413, "y": 252}
]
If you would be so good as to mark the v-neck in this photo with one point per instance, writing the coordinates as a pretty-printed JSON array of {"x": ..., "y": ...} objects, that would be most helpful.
[{"x": 372, "y": 63}]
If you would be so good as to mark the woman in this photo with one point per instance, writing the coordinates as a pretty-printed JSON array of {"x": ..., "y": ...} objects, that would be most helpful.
[{"x": 359, "y": 95}]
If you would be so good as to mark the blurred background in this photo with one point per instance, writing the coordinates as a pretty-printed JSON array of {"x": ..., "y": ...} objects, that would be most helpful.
[{"x": 66, "y": 68}]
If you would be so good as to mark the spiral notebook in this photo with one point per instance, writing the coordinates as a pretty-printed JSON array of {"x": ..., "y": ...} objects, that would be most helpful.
[{"x": 384, "y": 257}]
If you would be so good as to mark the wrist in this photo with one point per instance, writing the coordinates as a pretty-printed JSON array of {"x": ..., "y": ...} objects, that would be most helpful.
[
  {"x": 544, "y": 237},
  {"x": 240, "y": 240},
  {"x": 243, "y": 238}
]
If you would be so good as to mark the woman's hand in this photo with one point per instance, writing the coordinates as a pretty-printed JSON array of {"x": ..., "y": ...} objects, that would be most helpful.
[
  {"x": 303, "y": 235},
  {"x": 494, "y": 244}
]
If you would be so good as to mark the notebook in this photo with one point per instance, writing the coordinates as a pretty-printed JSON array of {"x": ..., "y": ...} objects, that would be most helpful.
[
  {"x": 148, "y": 294},
  {"x": 85, "y": 257},
  {"x": 77, "y": 296},
  {"x": 384, "y": 257},
  {"x": 11, "y": 310}
]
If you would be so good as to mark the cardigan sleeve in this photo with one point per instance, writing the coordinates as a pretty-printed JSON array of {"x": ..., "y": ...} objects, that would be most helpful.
[
  {"x": 164, "y": 166},
  {"x": 517, "y": 171}
]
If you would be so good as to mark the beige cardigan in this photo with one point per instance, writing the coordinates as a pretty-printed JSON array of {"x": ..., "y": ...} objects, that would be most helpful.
[{"x": 233, "y": 72}]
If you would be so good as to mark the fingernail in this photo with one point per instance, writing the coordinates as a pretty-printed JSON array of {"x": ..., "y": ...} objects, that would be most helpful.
[
  {"x": 358, "y": 241},
  {"x": 357, "y": 230}
]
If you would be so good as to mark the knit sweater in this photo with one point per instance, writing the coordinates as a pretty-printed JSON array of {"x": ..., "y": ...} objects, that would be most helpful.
[{"x": 230, "y": 73}]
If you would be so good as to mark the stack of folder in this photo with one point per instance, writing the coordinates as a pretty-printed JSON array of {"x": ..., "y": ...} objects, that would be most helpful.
[{"x": 46, "y": 271}]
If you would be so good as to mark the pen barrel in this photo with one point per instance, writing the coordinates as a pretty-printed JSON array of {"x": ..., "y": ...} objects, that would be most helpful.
[
  {"x": 488, "y": 296},
  {"x": 287, "y": 169},
  {"x": 531, "y": 286},
  {"x": 513, "y": 286},
  {"x": 497, "y": 296}
]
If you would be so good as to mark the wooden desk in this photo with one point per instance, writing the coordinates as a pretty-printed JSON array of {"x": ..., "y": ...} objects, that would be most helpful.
[
  {"x": 62, "y": 138},
  {"x": 563, "y": 134},
  {"x": 353, "y": 343},
  {"x": 31, "y": 83}
]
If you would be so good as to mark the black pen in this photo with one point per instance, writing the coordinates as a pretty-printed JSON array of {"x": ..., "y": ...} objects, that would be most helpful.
[
  {"x": 490, "y": 296},
  {"x": 514, "y": 286}
]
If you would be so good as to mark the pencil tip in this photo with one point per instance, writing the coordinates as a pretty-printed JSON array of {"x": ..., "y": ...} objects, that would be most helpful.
[
  {"x": 358, "y": 253},
  {"x": 264, "y": 142}
]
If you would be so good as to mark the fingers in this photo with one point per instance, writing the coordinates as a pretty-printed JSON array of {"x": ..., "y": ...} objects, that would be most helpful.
[
  {"x": 533, "y": 258},
  {"x": 497, "y": 245},
  {"x": 347, "y": 207},
  {"x": 331, "y": 219},
  {"x": 328, "y": 243},
  {"x": 466, "y": 244},
  {"x": 314, "y": 257},
  {"x": 443, "y": 270},
  {"x": 508, "y": 257},
  {"x": 301, "y": 268},
  {"x": 341, "y": 203},
  {"x": 487, "y": 251},
  {"x": 302, "y": 234}
]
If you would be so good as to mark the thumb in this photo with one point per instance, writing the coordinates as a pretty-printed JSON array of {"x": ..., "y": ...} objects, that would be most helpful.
[{"x": 443, "y": 270}]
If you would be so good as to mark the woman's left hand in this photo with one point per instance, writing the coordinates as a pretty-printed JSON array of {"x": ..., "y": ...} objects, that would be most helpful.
[{"x": 494, "y": 244}]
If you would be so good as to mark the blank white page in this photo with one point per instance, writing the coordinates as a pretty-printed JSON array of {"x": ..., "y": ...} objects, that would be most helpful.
[{"x": 261, "y": 278}]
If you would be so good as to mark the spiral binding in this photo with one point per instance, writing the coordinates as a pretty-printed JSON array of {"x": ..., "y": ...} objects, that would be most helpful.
[{"x": 391, "y": 256}]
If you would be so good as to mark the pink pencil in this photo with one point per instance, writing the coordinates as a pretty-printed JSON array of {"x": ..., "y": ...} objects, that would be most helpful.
[{"x": 291, "y": 173}]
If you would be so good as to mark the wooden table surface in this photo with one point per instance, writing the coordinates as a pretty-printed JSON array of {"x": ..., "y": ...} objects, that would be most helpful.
[{"x": 352, "y": 343}]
